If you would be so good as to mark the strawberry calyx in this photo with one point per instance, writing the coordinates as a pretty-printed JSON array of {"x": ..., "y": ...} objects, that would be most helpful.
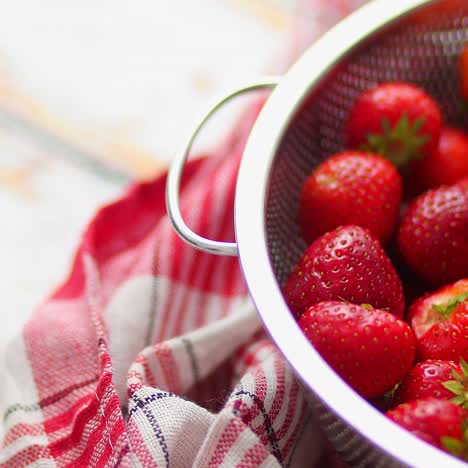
[
  {"x": 389, "y": 396},
  {"x": 400, "y": 144},
  {"x": 447, "y": 308},
  {"x": 457, "y": 447},
  {"x": 459, "y": 386}
]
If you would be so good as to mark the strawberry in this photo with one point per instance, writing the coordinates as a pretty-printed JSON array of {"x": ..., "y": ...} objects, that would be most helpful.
[
  {"x": 433, "y": 236},
  {"x": 458, "y": 385},
  {"x": 463, "y": 183},
  {"x": 463, "y": 69},
  {"x": 345, "y": 264},
  {"x": 440, "y": 323},
  {"x": 397, "y": 120},
  {"x": 446, "y": 166},
  {"x": 369, "y": 348},
  {"x": 426, "y": 379},
  {"x": 438, "y": 422},
  {"x": 351, "y": 188}
]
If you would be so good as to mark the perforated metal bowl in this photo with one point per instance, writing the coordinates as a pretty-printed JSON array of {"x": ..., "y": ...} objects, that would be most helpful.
[{"x": 300, "y": 125}]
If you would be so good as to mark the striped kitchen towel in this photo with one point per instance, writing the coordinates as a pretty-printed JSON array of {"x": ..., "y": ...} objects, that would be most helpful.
[{"x": 150, "y": 352}]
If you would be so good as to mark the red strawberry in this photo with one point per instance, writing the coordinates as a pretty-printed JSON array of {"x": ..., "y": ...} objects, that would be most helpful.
[
  {"x": 351, "y": 188},
  {"x": 369, "y": 348},
  {"x": 463, "y": 67},
  {"x": 433, "y": 236},
  {"x": 446, "y": 166},
  {"x": 345, "y": 264},
  {"x": 463, "y": 183},
  {"x": 397, "y": 120},
  {"x": 440, "y": 323},
  {"x": 426, "y": 380},
  {"x": 438, "y": 422}
]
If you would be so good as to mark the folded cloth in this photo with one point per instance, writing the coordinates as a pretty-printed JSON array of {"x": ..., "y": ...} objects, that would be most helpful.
[{"x": 150, "y": 353}]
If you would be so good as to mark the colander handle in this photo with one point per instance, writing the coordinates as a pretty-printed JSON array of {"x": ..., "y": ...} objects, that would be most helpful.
[{"x": 175, "y": 173}]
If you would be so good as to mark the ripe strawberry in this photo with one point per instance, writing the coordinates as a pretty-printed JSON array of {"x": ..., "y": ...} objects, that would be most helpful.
[
  {"x": 438, "y": 422},
  {"x": 345, "y": 264},
  {"x": 463, "y": 68},
  {"x": 463, "y": 183},
  {"x": 369, "y": 348},
  {"x": 426, "y": 379},
  {"x": 397, "y": 120},
  {"x": 433, "y": 236},
  {"x": 446, "y": 166},
  {"x": 351, "y": 188},
  {"x": 440, "y": 323}
]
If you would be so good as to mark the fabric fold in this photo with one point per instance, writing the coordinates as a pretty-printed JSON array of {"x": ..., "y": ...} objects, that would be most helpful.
[{"x": 150, "y": 353}]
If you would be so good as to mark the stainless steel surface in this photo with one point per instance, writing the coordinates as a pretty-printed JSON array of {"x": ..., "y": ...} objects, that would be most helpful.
[
  {"x": 300, "y": 125},
  {"x": 175, "y": 174}
]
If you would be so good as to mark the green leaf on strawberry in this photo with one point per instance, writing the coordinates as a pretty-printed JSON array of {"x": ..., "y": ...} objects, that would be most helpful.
[
  {"x": 426, "y": 380},
  {"x": 438, "y": 422},
  {"x": 455, "y": 446},
  {"x": 440, "y": 320},
  {"x": 459, "y": 386},
  {"x": 401, "y": 143},
  {"x": 397, "y": 120},
  {"x": 446, "y": 309}
]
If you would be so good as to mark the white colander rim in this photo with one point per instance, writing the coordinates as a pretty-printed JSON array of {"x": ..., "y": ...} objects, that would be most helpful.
[{"x": 250, "y": 204}]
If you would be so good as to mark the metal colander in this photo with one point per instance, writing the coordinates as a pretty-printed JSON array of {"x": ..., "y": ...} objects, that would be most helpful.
[{"x": 301, "y": 124}]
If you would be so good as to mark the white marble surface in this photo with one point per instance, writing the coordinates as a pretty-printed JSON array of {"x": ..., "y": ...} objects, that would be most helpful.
[{"x": 126, "y": 75}]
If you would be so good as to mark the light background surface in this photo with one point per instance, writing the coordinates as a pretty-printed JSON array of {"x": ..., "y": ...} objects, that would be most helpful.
[{"x": 122, "y": 80}]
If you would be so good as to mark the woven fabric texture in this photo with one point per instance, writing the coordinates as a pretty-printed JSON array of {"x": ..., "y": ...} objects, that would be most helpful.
[{"x": 150, "y": 352}]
